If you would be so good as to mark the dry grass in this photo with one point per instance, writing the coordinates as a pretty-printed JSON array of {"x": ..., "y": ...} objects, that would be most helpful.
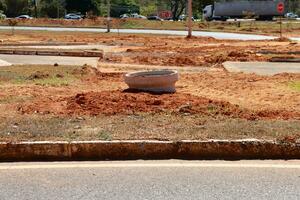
[
  {"x": 295, "y": 86},
  {"x": 163, "y": 126},
  {"x": 45, "y": 75}
]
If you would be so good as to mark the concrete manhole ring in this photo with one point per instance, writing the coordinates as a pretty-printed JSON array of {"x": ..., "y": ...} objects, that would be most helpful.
[{"x": 158, "y": 81}]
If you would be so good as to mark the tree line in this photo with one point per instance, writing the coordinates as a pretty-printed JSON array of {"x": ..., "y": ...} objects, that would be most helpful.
[{"x": 58, "y": 8}]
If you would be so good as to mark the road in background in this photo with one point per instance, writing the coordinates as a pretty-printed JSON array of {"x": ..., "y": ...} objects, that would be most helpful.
[
  {"x": 217, "y": 35},
  {"x": 151, "y": 180},
  {"x": 263, "y": 68}
]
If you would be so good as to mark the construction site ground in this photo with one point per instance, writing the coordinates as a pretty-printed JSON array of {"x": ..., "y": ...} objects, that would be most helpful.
[{"x": 57, "y": 102}]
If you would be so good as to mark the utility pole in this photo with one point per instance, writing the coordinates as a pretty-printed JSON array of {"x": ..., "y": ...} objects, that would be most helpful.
[
  {"x": 189, "y": 20},
  {"x": 108, "y": 16}
]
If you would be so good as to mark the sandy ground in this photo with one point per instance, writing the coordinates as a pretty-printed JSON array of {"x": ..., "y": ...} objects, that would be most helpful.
[
  {"x": 165, "y": 50},
  {"x": 63, "y": 93},
  {"x": 234, "y": 94}
]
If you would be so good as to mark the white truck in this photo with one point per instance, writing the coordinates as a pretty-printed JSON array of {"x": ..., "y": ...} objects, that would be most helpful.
[{"x": 259, "y": 9}]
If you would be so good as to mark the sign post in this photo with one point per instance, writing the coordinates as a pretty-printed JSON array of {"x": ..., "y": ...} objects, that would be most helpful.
[{"x": 280, "y": 10}]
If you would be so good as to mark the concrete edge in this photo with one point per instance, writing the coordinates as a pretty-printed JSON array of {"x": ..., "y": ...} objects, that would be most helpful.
[
  {"x": 42, "y": 44},
  {"x": 147, "y": 149},
  {"x": 77, "y": 53}
]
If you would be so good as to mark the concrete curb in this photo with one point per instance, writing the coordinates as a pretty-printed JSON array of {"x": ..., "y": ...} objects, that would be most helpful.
[
  {"x": 79, "y": 53},
  {"x": 43, "y": 44},
  {"x": 138, "y": 149}
]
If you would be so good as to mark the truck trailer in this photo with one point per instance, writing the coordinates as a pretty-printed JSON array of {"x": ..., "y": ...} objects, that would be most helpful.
[{"x": 259, "y": 9}]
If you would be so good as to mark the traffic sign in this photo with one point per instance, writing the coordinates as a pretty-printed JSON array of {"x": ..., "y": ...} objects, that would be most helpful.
[{"x": 280, "y": 7}]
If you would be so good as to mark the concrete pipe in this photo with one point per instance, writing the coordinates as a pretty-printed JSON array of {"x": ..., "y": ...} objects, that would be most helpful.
[{"x": 161, "y": 81}]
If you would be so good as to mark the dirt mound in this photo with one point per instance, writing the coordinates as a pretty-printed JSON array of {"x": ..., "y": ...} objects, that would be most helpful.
[
  {"x": 89, "y": 73},
  {"x": 120, "y": 102},
  {"x": 38, "y": 75}
]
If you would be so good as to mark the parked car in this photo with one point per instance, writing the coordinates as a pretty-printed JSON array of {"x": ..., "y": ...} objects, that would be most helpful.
[
  {"x": 137, "y": 16},
  {"x": 155, "y": 18},
  {"x": 291, "y": 15},
  {"x": 134, "y": 15},
  {"x": 24, "y": 17},
  {"x": 124, "y": 16},
  {"x": 184, "y": 18},
  {"x": 73, "y": 16}
]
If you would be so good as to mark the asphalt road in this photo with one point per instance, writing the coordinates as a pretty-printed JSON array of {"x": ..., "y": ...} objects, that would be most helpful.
[
  {"x": 263, "y": 68},
  {"x": 151, "y": 180},
  {"x": 217, "y": 35}
]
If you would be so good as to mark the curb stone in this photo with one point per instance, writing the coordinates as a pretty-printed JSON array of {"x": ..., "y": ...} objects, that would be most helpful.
[
  {"x": 147, "y": 149},
  {"x": 42, "y": 52}
]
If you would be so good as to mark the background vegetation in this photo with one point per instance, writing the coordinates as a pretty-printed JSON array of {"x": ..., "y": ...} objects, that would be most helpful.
[{"x": 58, "y": 8}]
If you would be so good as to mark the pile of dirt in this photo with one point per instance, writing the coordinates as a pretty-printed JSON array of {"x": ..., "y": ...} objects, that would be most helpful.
[
  {"x": 89, "y": 73},
  {"x": 37, "y": 75},
  {"x": 120, "y": 102},
  {"x": 186, "y": 56}
]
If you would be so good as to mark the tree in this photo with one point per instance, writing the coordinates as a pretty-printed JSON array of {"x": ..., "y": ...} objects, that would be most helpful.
[
  {"x": 52, "y": 8},
  {"x": 84, "y": 6},
  {"x": 120, "y": 7},
  {"x": 177, "y": 8},
  {"x": 16, "y": 7},
  {"x": 3, "y": 6}
]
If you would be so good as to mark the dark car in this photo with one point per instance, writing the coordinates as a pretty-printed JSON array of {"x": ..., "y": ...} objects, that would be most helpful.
[{"x": 155, "y": 18}]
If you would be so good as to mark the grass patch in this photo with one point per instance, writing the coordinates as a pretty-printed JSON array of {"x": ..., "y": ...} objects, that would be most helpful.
[
  {"x": 14, "y": 99},
  {"x": 295, "y": 86},
  {"x": 142, "y": 126},
  {"x": 45, "y": 75},
  {"x": 54, "y": 81}
]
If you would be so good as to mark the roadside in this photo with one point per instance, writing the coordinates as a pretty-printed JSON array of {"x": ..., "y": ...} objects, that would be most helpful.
[
  {"x": 76, "y": 101},
  {"x": 81, "y": 103},
  {"x": 290, "y": 27}
]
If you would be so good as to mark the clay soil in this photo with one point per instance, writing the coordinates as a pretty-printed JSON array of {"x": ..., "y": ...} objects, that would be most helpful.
[
  {"x": 33, "y": 105},
  {"x": 166, "y": 50},
  {"x": 210, "y": 93},
  {"x": 266, "y": 106}
]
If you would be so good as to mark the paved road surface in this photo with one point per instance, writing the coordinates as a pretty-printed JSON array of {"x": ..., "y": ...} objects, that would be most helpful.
[
  {"x": 262, "y": 68},
  {"x": 151, "y": 180},
  {"x": 217, "y": 35},
  {"x": 47, "y": 60}
]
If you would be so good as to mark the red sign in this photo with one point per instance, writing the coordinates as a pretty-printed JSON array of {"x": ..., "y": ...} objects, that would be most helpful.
[{"x": 280, "y": 7}]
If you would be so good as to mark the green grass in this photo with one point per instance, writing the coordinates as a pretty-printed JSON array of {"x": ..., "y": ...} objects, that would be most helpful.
[
  {"x": 54, "y": 81},
  {"x": 295, "y": 86},
  {"x": 21, "y": 74}
]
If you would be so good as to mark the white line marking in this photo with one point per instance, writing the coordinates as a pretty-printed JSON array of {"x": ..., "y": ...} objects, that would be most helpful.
[{"x": 147, "y": 165}]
